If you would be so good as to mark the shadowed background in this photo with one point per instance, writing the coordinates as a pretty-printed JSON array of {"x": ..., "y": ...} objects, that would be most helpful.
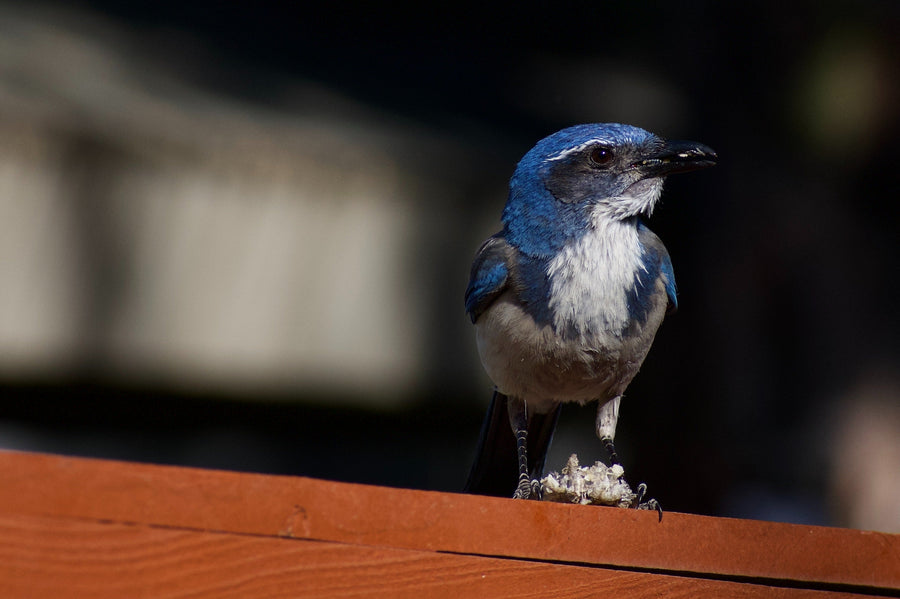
[{"x": 239, "y": 238}]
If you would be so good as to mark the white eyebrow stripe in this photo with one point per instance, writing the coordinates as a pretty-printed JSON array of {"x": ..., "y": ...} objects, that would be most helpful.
[{"x": 578, "y": 148}]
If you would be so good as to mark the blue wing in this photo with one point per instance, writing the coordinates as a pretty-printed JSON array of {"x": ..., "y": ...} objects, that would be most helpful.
[
  {"x": 489, "y": 276},
  {"x": 660, "y": 256},
  {"x": 671, "y": 290}
]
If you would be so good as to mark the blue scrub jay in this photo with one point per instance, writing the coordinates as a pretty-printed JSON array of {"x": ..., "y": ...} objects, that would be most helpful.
[{"x": 567, "y": 298}]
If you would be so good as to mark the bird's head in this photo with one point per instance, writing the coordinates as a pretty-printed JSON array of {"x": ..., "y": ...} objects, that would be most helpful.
[{"x": 569, "y": 179}]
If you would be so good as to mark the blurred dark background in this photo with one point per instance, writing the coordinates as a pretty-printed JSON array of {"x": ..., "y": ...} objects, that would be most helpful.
[{"x": 238, "y": 237}]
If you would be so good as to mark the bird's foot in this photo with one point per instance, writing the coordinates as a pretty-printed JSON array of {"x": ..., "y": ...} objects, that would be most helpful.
[
  {"x": 528, "y": 489},
  {"x": 651, "y": 504}
]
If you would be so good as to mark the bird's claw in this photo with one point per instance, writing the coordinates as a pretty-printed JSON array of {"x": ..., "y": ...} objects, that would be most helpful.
[
  {"x": 641, "y": 491},
  {"x": 528, "y": 489},
  {"x": 650, "y": 504}
]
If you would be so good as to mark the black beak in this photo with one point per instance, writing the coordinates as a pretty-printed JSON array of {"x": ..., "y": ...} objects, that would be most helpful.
[{"x": 676, "y": 157}]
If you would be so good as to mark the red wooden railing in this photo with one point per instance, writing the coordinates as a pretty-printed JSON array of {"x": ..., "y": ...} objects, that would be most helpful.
[{"x": 72, "y": 528}]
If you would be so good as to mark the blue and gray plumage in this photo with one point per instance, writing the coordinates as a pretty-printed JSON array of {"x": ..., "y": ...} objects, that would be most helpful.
[{"x": 567, "y": 297}]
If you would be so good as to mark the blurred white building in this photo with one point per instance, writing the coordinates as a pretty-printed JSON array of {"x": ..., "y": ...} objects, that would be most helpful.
[{"x": 152, "y": 229}]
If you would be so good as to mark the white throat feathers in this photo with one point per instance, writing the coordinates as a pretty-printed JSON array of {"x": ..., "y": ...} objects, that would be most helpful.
[{"x": 590, "y": 278}]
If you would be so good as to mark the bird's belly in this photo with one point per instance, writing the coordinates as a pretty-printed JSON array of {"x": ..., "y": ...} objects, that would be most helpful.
[{"x": 534, "y": 363}]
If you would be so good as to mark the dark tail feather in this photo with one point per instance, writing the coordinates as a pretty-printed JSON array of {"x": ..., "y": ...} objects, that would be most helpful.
[{"x": 496, "y": 468}]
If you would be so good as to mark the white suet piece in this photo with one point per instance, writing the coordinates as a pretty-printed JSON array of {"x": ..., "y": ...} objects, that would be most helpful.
[{"x": 588, "y": 485}]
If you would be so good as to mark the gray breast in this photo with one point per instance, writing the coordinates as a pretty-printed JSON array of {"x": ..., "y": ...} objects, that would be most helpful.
[{"x": 534, "y": 362}]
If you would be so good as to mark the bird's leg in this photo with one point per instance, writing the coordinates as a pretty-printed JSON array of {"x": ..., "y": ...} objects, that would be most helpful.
[
  {"x": 607, "y": 417},
  {"x": 518, "y": 420}
]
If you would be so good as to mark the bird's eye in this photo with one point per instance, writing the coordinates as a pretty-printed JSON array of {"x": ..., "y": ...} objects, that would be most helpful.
[{"x": 601, "y": 156}]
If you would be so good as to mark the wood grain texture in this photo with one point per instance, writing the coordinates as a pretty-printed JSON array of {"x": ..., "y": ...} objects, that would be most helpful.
[
  {"x": 52, "y": 557},
  {"x": 162, "y": 500}
]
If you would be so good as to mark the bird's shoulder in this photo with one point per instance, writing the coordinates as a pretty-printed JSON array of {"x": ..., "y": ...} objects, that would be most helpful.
[
  {"x": 655, "y": 252},
  {"x": 490, "y": 274}
]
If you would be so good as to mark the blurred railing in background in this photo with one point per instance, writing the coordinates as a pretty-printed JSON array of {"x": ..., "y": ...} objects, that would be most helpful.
[{"x": 153, "y": 230}]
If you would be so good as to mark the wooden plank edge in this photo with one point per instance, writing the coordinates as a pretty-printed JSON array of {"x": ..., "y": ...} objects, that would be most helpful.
[
  {"x": 43, "y": 557},
  {"x": 722, "y": 548}
]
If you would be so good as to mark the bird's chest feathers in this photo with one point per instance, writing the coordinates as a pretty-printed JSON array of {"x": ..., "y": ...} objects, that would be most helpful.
[{"x": 591, "y": 279}]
